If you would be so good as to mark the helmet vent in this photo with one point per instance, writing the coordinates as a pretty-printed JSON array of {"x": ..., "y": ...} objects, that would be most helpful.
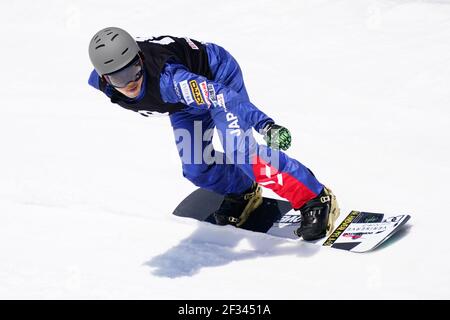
[{"x": 112, "y": 49}]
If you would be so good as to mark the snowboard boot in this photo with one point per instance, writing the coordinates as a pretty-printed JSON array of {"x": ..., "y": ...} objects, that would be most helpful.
[
  {"x": 236, "y": 208},
  {"x": 318, "y": 216}
]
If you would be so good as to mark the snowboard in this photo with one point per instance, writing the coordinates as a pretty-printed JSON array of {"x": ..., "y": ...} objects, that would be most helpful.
[{"x": 359, "y": 231}]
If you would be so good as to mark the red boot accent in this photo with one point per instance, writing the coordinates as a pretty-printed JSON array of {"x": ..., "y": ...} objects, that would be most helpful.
[{"x": 282, "y": 183}]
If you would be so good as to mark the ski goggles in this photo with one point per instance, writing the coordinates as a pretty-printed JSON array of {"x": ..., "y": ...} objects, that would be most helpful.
[{"x": 130, "y": 73}]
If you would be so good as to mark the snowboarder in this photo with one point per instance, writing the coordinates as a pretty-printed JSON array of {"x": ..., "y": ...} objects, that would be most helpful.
[{"x": 200, "y": 86}]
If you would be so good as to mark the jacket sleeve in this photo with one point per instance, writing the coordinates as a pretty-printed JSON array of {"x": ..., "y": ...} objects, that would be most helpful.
[
  {"x": 94, "y": 81},
  {"x": 178, "y": 84}
]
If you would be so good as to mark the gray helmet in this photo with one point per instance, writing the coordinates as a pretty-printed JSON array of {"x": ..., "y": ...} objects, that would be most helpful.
[{"x": 111, "y": 49}]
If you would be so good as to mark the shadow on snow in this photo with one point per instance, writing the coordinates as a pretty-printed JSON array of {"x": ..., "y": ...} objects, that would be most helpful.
[{"x": 213, "y": 246}]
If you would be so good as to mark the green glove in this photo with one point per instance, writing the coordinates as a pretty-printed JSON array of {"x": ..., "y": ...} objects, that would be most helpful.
[{"x": 277, "y": 137}]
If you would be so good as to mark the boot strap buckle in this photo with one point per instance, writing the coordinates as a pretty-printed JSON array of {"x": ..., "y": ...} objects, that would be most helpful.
[
  {"x": 325, "y": 199},
  {"x": 233, "y": 219},
  {"x": 249, "y": 195}
]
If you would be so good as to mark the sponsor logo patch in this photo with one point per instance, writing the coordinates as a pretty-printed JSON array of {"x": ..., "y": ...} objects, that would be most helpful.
[
  {"x": 204, "y": 89},
  {"x": 191, "y": 43},
  {"x": 196, "y": 92},
  {"x": 186, "y": 92},
  {"x": 221, "y": 101},
  {"x": 212, "y": 93}
]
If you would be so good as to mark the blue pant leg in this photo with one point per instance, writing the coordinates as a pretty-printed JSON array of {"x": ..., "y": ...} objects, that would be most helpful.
[{"x": 202, "y": 165}]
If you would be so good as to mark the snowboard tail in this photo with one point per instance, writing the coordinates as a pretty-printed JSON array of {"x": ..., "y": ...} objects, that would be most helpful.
[{"x": 359, "y": 231}]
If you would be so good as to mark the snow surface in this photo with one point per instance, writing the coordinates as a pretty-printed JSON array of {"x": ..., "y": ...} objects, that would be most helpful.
[{"x": 87, "y": 188}]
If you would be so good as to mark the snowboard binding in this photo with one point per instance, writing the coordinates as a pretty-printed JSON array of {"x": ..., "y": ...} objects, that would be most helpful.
[
  {"x": 318, "y": 216},
  {"x": 235, "y": 209}
]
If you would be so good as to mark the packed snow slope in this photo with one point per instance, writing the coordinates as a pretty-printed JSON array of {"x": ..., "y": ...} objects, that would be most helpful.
[{"x": 87, "y": 188}]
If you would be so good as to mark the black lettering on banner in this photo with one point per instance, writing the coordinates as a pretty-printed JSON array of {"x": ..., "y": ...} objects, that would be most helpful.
[
  {"x": 339, "y": 230},
  {"x": 196, "y": 92}
]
